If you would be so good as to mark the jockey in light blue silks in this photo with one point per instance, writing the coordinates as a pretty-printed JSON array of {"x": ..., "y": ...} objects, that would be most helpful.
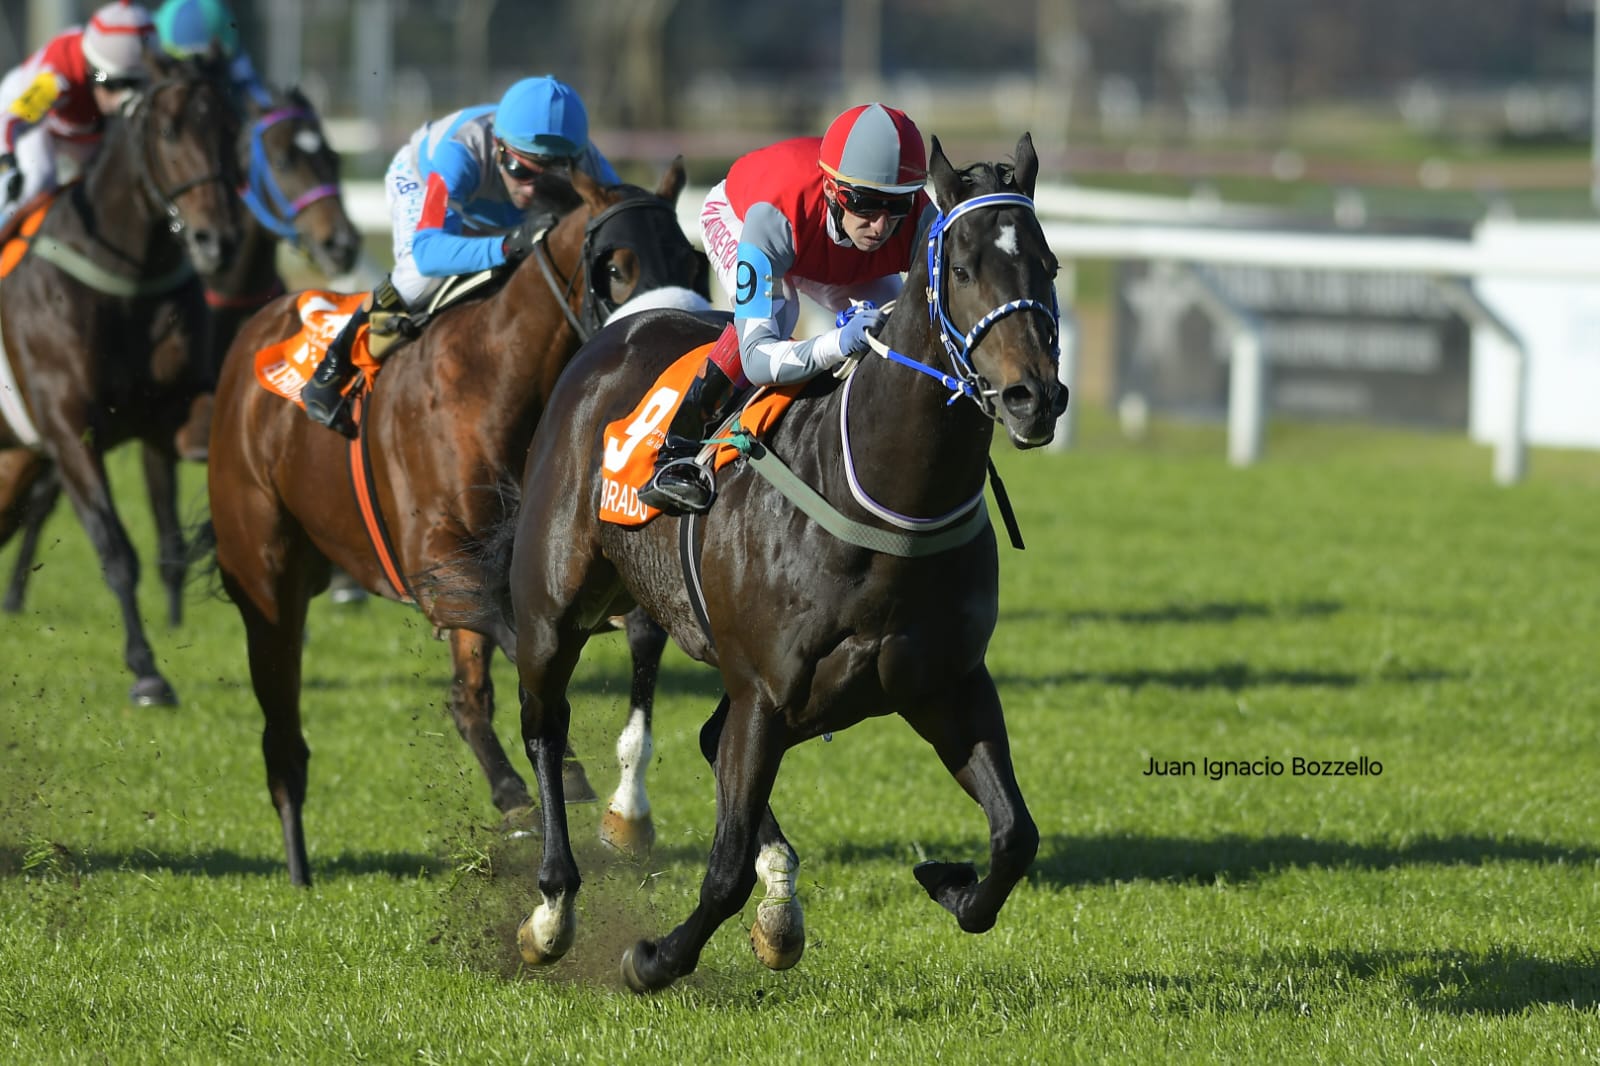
[{"x": 459, "y": 193}]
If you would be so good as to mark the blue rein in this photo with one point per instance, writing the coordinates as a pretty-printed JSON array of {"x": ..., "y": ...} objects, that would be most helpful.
[{"x": 262, "y": 194}]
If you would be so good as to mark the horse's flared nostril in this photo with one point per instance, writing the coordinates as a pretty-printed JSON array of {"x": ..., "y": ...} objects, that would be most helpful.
[{"x": 1022, "y": 401}]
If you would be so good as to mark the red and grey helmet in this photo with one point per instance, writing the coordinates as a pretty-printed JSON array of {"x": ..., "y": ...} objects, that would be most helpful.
[{"x": 872, "y": 146}]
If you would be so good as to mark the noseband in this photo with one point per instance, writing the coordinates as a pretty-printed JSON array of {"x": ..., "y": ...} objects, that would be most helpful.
[
  {"x": 262, "y": 193},
  {"x": 167, "y": 199}
]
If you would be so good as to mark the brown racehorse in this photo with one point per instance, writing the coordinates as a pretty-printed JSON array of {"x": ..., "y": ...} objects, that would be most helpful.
[
  {"x": 292, "y": 189},
  {"x": 104, "y": 320},
  {"x": 447, "y": 429},
  {"x": 812, "y": 632}
]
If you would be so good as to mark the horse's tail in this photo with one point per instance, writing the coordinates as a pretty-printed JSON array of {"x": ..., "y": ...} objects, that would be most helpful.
[
  {"x": 476, "y": 579},
  {"x": 201, "y": 554}
]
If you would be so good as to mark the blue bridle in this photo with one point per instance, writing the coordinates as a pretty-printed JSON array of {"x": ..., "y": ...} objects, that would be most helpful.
[
  {"x": 262, "y": 194},
  {"x": 958, "y": 345}
]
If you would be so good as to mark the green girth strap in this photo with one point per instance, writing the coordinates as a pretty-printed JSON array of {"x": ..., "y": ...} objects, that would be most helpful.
[
  {"x": 820, "y": 511},
  {"x": 99, "y": 278}
]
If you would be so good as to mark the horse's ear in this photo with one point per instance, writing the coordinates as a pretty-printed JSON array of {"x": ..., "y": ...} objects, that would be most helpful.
[
  {"x": 1027, "y": 171},
  {"x": 591, "y": 191},
  {"x": 673, "y": 181},
  {"x": 946, "y": 182}
]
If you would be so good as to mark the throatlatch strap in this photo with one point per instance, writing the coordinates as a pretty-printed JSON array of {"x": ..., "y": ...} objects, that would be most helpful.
[{"x": 366, "y": 491}]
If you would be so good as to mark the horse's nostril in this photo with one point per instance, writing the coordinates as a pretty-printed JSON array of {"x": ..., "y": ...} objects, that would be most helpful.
[{"x": 1021, "y": 400}]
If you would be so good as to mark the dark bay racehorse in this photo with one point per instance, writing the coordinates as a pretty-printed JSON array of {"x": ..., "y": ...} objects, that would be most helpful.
[
  {"x": 291, "y": 186},
  {"x": 104, "y": 321},
  {"x": 447, "y": 430},
  {"x": 812, "y": 633}
]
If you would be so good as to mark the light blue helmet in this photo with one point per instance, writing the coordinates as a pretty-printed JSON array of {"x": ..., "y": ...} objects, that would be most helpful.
[
  {"x": 188, "y": 27},
  {"x": 542, "y": 116}
]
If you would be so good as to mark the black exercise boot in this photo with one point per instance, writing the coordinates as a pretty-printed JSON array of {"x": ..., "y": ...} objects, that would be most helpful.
[
  {"x": 680, "y": 485},
  {"x": 323, "y": 394}
]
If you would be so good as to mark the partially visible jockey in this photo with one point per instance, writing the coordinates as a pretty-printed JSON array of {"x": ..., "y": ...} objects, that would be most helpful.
[
  {"x": 462, "y": 199},
  {"x": 53, "y": 104},
  {"x": 189, "y": 28},
  {"x": 833, "y": 217}
]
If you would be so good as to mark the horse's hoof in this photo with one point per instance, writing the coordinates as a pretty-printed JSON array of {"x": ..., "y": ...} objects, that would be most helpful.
[
  {"x": 778, "y": 935},
  {"x": 633, "y": 837},
  {"x": 641, "y": 969},
  {"x": 575, "y": 783},
  {"x": 152, "y": 692},
  {"x": 521, "y": 823},
  {"x": 546, "y": 935}
]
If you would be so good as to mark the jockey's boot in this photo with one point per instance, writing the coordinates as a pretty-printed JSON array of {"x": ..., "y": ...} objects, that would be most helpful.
[
  {"x": 680, "y": 485},
  {"x": 323, "y": 395}
]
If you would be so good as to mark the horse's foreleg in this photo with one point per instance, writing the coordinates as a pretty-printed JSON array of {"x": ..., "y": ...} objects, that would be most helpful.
[
  {"x": 29, "y": 494},
  {"x": 271, "y": 591},
  {"x": 83, "y": 475},
  {"x": 545, "y": 660},
  {"x": 161, "y": 483},
  {"x": 750, "y": 748},
  {"x": 969, "y": 733},
  {"x": 778, "y": 935},
  {"x": 627, "y": 825},
  {"x": 472, "y": 708}
]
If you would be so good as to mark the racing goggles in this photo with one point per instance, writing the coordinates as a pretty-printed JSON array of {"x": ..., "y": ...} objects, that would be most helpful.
[
  {"x": 870, "y": 203},
  {"x": 523, "y": 169},
  {"x": 116, "y": 83}
]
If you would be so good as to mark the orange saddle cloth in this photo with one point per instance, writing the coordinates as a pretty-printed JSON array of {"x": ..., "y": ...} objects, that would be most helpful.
[
  {"x": 632, "y": 442},
  {"x": 285, "y": 367}
]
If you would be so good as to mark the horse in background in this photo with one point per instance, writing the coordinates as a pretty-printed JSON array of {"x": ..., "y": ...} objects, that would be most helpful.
[
  {"x": 291, "y": 186},
  {"x": 104, "y": 321},
  {"x": 443, "y": 436},
  {"x": 812, "y": 630}
]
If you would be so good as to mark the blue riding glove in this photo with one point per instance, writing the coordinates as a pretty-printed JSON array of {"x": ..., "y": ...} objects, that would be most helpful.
[{"x": 853, "y": 331}]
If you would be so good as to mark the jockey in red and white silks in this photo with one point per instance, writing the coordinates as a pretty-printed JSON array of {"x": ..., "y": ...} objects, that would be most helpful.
[
  {"x": 53, "y": 104},
  {"x": 835, "y": 217},
  {"x": 772, "y": 215}
]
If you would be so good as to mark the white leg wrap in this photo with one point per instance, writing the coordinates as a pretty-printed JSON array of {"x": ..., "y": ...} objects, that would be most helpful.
[{"x": 634, "y": 749}]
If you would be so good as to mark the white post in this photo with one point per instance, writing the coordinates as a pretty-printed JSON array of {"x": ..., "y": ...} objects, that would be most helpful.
[
  {"x": 1247, "y": 398},
  {"x": 1247, "y": 370},
  {"x": 1511, "y": 451}
]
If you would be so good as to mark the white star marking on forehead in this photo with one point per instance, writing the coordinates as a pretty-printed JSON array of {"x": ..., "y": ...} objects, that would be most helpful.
[{"x": 1007, "y": 241}]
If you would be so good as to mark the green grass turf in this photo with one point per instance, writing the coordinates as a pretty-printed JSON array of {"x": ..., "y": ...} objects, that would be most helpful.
[{"x": 1361, "y": 593}]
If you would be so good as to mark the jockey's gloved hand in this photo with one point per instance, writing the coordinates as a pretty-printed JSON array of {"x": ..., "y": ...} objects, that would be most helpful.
[
  {"x": 853, "y": 334},
  {"x": 10, "y": 179},
  {"x": 518, "y": 243}
]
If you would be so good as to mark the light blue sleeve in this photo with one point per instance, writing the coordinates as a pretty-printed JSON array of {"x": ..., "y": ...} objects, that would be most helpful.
[{"x": 439, "y": 250}]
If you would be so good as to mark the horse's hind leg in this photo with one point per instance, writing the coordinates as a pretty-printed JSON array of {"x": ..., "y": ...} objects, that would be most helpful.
[
  {"x": 750, "y": 748},
  {"x": 84, "y": 476},
  {"x": 472, "y": 708},
  {"x": 545, "y": 660},
  {"x": 968, "y": 731},
  {"x": 30, "y": 506},
  {"x": 161, "y": 484},
  {"x": 627, "y": 825}
]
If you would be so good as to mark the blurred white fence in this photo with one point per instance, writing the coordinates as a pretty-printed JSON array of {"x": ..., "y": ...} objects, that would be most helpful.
[{"x": 1506, "y": 280}]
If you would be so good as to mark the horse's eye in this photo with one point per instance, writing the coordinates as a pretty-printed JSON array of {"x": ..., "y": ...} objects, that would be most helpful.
[
  {"x": 615, "y": 271},
  {"x": 960, "y": 273}
]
